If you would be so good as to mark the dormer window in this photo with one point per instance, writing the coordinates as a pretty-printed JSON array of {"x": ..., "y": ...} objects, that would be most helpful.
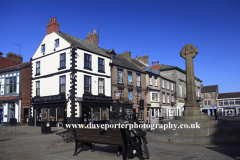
[
  {"x": 56, "y": 43},
  {"x": 43, "y": 48}
]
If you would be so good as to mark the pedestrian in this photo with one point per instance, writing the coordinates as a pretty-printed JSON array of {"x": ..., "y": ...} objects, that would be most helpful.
[{"x": 215, "y": 113}]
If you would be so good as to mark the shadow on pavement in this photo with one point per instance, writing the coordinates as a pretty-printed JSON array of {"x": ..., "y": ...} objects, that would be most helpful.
[
  {"x": 231, "y": 151},
  {"x": 4, "y": 140}
]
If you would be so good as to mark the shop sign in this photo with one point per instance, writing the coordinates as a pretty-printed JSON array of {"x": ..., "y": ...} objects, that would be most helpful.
[
  {"x": 60, "y": 97},
  {"x": 97, "y": 98}
]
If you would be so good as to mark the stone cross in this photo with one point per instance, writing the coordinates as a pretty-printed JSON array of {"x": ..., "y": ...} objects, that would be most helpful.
[{"x": 192, "y": 107}]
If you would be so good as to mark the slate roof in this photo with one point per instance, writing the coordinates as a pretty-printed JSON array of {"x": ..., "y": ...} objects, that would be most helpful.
[
  {"x": 82, "y": 44},
  {"x": 228, "y": 95},
  {"x": 138, "y": 63},
  {"x": 164, "y": 67},
  {"x": 15, "y": 67},
  {"x": 206, "y": 89},
  {"x": 123, "y": 62}
]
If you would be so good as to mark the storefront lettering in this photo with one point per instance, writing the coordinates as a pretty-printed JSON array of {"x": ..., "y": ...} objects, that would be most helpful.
[
  {"x": 49, "y": 98},
  {"x": 97, "y": 98}
]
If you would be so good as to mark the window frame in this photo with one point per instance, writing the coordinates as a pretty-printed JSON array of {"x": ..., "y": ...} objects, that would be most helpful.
[
  {"x": 139, "y": 97},
  {"x": 62, "y": 61},
  {"x": 38, "y": 68},
  {"x": 89, "y": 83},
  {"x": 150, "y": 81},
  {"x": 172, "y": 87},
  {"x": 155, "y": 82},
  {"x": 167, "y": 85},
  {"x": 157, "y": 98},
  {"x": 138, "y": 75},
  {"x": 130, "y": 92},
  {"x": 56, "y": 43},
  {"x": 103, "y": 86},
  {"x": 12, "y": 85},
  {"x": 120, "y": 82},
  {"x": 163, "y": 85},
  {"x": 130, "y": 83},
  {"x": 163, "y": 98},
  {"x": 37, "y": 88},
  {"x": 61, "y": 84},
  {"x": 43, "y": 48},
  {"x": 168, "y": 98},
  {"x": 101, "y": 65},
  {"x": 87, "y": 61}
]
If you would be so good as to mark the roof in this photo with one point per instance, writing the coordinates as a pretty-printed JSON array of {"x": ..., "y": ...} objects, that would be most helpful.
[
  {"x": 164, "y": 67},
  {"x": 123, "y": 62},
  {"x": 8, "y": 98},
  {"x": 82, "y": 44},
  {"x": 206, "y": 89},
  {"x": 228, "y": 95},
  {"x": 6, "y": 62},
  {"x": 16, "y": 67},
  {"x": 138, "y": 63}
]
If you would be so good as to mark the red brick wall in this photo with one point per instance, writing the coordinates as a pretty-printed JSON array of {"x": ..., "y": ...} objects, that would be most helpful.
[
  {"x": 25, "y": 90},
  {"x": 6, "y": 62}
]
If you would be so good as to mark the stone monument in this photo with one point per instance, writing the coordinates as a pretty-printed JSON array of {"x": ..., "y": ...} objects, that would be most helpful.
[{"x": 192, "y": 107}]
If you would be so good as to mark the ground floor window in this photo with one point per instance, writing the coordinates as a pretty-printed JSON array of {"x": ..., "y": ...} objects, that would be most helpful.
[
  {"x": 140, "y": 115},
  {"x": 11, "y": 111}
]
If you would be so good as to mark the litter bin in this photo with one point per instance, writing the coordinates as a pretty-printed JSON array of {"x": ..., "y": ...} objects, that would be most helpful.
[
  {"x": 46, "y": 128},
  {"x": 13, "y": 121}
]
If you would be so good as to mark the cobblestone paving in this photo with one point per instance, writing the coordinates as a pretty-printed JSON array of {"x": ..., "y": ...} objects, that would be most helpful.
[{"x": 28, "y": 144}]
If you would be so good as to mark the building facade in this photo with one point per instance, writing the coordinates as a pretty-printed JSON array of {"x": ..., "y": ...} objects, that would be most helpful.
[
  {"x": 15, "y": 93},
  {"x": 129, "y": 85},
  {"x": 228, "y": 104},
  {"x": 178, "y": 76},
  {"x": 71, "y": 79},
  {"x": 209, "y": 96}
]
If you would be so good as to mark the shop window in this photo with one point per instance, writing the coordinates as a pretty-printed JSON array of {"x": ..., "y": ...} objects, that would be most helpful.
[
  {"x": 231, "y": 101},
  {"x": 44, "y": 114},
  {"x": 237, "y": 101},
  {"x": 11, "y": 110},
  {"x": 130, "y": 96},
  {"x": 220, "y": 103},
  {"x": 140, "y": 115},
  {"x": 225, "y": 102}
]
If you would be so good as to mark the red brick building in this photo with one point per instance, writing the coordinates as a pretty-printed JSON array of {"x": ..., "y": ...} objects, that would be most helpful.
[{"x": 11, "y": 60}]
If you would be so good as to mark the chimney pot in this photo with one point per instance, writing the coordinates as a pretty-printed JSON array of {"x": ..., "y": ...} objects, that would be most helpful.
[
  {"x": 94, "y": 31},
  {"x": 158, "y": 62},
  {"x": 89, "y": 33},
  {"x": 54, "y": 19},
  {"x": 152, "y": 63},
  {"x": 136, "y": 56},
  {"x": 53, "y": 26}
]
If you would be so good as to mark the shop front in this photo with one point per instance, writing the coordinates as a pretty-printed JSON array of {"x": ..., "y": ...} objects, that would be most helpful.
[
  {"x": 95, "y": 109},
  {"x": 49, "y": 108}
]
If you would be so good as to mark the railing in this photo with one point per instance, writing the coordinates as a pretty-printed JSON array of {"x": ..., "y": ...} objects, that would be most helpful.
[{"x": 5, "y": 129}]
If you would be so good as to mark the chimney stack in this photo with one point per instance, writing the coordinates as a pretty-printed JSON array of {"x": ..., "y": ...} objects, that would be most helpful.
[
  {"x": 157, "y": 62},
  {"x": 1, "y": 54},
  {"x": 15, "y": 57},
  {"x": 155, "y": 66},
  {"x": 93, "y": 38},
  {"x": 53, "y": 26}
]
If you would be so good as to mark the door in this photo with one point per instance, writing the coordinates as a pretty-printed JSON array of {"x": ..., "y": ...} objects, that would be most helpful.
[{"x": 1, "y": 116}]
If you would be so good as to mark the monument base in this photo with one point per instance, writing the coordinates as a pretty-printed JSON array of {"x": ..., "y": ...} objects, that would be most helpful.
[{"x": 201, "y": 117}]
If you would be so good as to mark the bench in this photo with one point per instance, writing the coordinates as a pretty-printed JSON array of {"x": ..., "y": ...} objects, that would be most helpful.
[{"x": 116, "y": 137}]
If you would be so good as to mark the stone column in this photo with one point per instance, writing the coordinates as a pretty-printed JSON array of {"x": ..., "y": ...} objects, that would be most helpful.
[{"x": 192, "y": 107}]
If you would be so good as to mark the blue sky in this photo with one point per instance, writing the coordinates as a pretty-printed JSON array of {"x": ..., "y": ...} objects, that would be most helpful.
[{"x": 158, "y": 28}]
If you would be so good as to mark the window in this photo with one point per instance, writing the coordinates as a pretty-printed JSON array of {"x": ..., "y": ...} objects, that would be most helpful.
[
  {"x": 150, "y": 81},
  {"x": 220, "y": 103},
  {"x": 120, "y": 91},
  {"x": 56, "y": 43},
  {"x": 87, "y": 61},
  {"x": 38, "y": 88},
  {"x": 167, "y": 85},
  {"x": 163, "y": 97},
  {"x": 87, "y": 84},
  {"x": 163, "y": 85},
  {"x": 138, "y": 97},
  {"x": 154, "y": 97},
  {"x": 155, "y": 82},
  {"x": 231, "y": 102},
  {"x": 100, "y": 86},
  {"x": 205, "y": 102},
  {"x": 11, "y": 85},
  {"x": 140, "y": 115},
  {"x": 225, "y": 102},
  {"x": 209, "y": 102},
  {"x": 43, "y": 48},
  {"x": 180, "y": 89},
  {"x": 62, "y": 84},
  {"x": 130, "y": 96},
  {"x": 63, "y": 60},
  {"x": 172, "y": 98},
  {"x": 172, "y": 86},
  {"x": 168, "y": 100},
  {"x": 129, "y": 78},
  {"x": 11, "y": 110},
  {"x": 138, "y": 80},
  {"x": 100, "y": 65},
  {"x": 0, "y": 85},
  {"x": 237, "y": 101},
  {"x": 38, "y": 68},
  {"x": 120, "y": 76}
]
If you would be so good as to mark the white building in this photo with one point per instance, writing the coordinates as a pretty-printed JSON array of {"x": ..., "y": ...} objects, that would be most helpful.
[{"x": 71, "y": 78}]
